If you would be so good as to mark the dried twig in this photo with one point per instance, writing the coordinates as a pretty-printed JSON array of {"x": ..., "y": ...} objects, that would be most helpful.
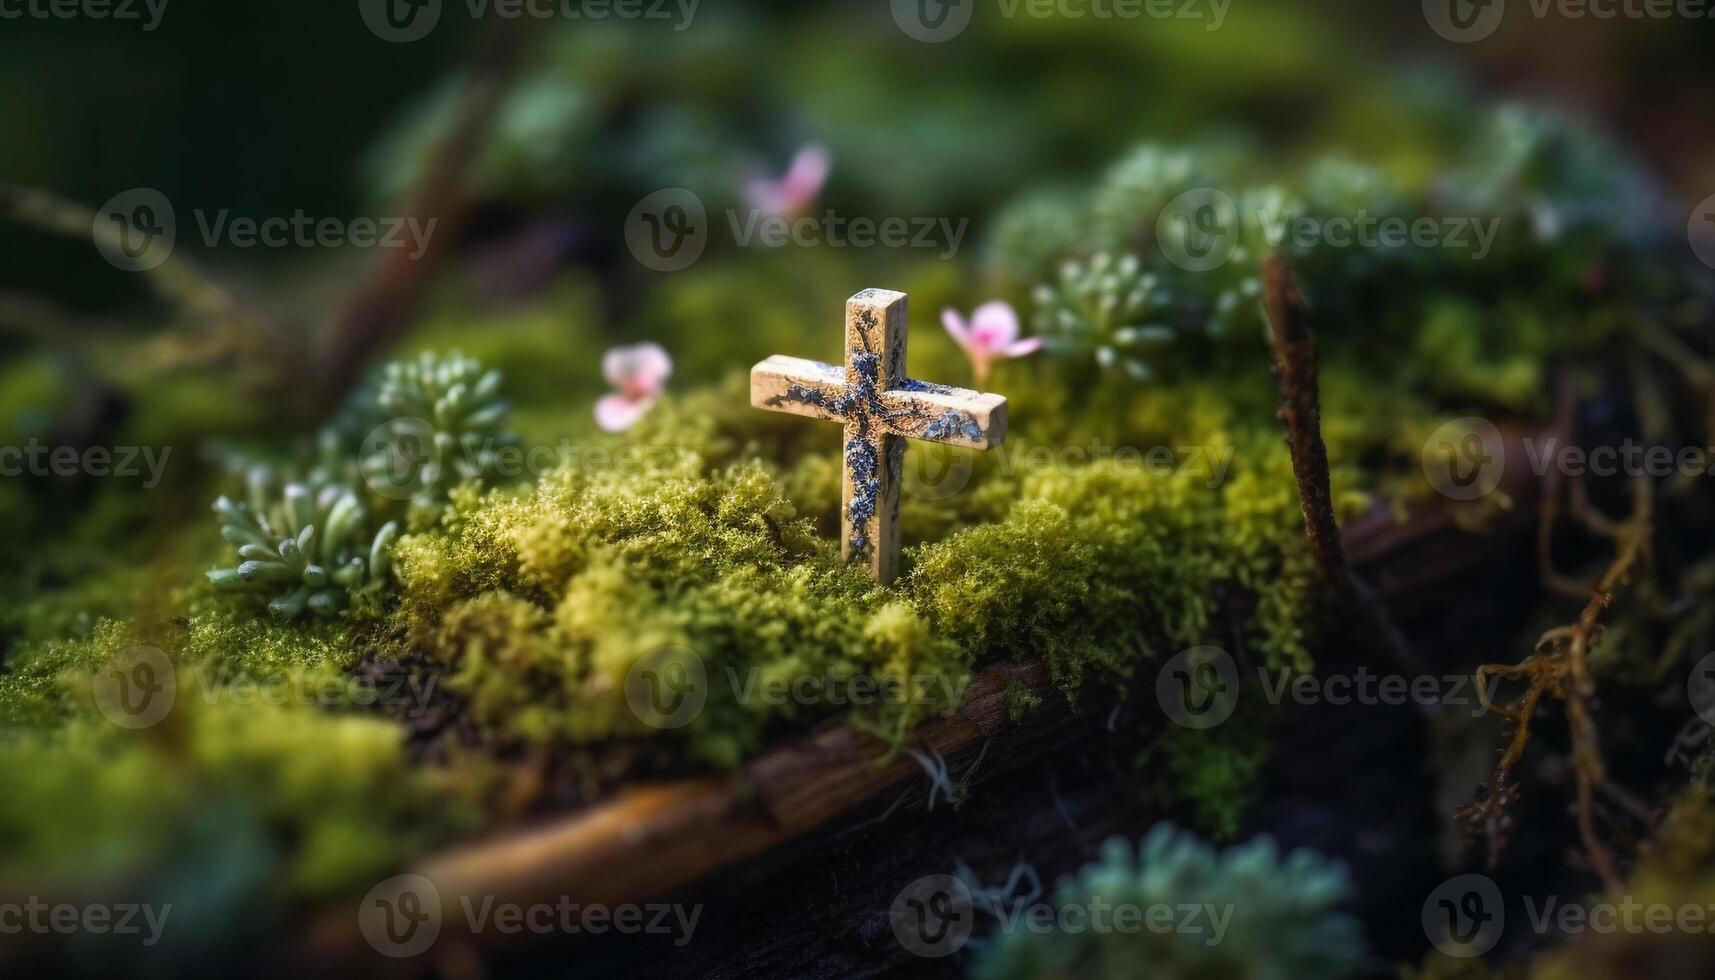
[
  {"x": 377, "y": 313},
  {"x": 177, "y": 279},
  {"x": 1300, "y": 409},
  {"x": 1301, "y": 412},
  {"x": 1560, "y": 668}
]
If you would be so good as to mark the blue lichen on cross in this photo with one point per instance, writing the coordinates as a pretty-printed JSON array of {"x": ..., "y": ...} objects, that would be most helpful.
[{"x": 880, "y": 408}]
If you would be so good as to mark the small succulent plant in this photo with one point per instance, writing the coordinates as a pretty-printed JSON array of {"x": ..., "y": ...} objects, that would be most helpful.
[
  {"x": 1132, "y": 195},
  {"x": 1553, "y": 175},
  {"x": 1110, "y": 309},
  {"x": 1281, "y": 916},
  {"x": 308, "y": 547},
  {"x": 439, "y": 421},
  {"x": 1030, "y": 236}
]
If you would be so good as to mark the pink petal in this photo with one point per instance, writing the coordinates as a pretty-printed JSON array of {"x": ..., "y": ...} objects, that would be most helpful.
[
  {"x": 1023, "y": 347},
  {"x": 994, "y": 324},
  {"x": 805, "y": 177},
  {"x": 616, "y": 413},
  {"x": 764, "y": 195},
  {"x": 955, "y": 325},
  {"x": 638, "y": 368}
]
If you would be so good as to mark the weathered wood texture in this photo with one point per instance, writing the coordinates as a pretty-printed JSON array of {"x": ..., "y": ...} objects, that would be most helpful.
[{"x": 880, "y": 407}]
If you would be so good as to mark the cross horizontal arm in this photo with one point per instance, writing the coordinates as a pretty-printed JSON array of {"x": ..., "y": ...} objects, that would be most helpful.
[
  {"x": 940, "y": 413},
  {"x": 799, "y": 386}
]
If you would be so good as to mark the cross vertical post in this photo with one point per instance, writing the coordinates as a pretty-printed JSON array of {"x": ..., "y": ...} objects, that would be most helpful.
[
  {"x": 879, "y": 408},
  {"x": 875, "y": 457}
]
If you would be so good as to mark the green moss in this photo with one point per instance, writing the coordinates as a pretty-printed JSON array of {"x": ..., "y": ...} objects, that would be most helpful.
[
  {"x": 265, "y": 728},
  {"x": 1674, "y": 871},
  {"x": 1213, "y": 774},
  {"x": 544, "y": 603},
  {"x": 33, "y": 689},
  {"x": 1021, "y": 701},
  {"x": 542, "y": 606},
  {"x": 33, "y": 393},
  {"x": 335, "y": 797}
]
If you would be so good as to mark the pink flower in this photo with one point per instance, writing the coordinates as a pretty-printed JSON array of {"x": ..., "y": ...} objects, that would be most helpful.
[
  {"x": 639, "y": 373},
  {"x": 797, "y": 190},
  {"x": 992, "y": 335}
]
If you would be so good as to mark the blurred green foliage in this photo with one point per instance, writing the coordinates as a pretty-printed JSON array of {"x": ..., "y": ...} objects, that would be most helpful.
[
  {"x": 708, "y": 527},
  {"x": 1285, "y": 915}
]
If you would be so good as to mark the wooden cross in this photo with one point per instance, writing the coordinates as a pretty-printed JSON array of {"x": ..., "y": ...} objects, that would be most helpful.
[{"x": 880, "y": 408}]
